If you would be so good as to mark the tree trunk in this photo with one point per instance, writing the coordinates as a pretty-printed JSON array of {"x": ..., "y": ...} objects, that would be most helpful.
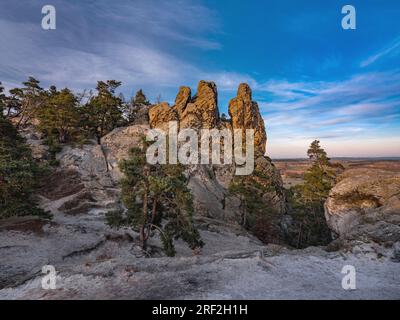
[
  {"x": 143, "y": 240},
  {"x": 145, "y": 227},
  {"x": 143, "y": 235},
  {"x": 62, "y": 136},
  {"x": 154, "y": 210}
]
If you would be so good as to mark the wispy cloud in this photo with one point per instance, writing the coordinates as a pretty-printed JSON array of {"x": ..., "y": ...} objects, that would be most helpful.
[
  {"x": 358, "y": 108},
  {"x": 138, "y": 43},
  {"x": 159, "y": 45},
  {"x": 392, "y": 49}
]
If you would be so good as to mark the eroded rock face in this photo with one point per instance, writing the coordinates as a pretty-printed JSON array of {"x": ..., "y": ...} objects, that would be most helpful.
[
  {"x": 117, "y": 143},
  {"x": 160, "y": 115},
  {"x": 365, "y": 204},
  {"x": 86, "y": 181},
  {"x": 182, "y": 99},
  {"x": 245, "y": 114},
  {"x": 210, "y": 183},
  {"x": 82, "y": 184},
  {"x": 89, "y": 174},
  {"x": 36, "y": 142},
  {"x": 200, "y": 111}
]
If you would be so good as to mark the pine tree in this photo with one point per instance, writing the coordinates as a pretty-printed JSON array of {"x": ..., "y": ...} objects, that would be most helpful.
[
  {"x": 19, "y": 174},
  {"x": 307, "y": 199},
  {"x": 140, "y": 98},
  {"x": 133, "y": 108},
  {"x": 3, "y": 99},
  {"x": 257, "y": 214},
  {"x": 163, "y": 194},
  {"x": 103, "y": 112},
  {"x": 320, "y": 177},
  {"x": 27, "y": 101},
  {"x": 59, "y": 118}
]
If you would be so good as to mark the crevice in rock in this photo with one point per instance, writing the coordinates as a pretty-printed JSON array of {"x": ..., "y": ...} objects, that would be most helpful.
[{"x": 84, "y": 251}]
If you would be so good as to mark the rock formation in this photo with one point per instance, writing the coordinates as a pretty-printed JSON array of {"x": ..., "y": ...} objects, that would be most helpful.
[
  {"x": 200, "y": 111},
  {"x": 161, "y": 114},
  {"x": 245, "y": 114},
  {"x": 94, "y": 261},
  {"x": 365, "y": 205},
  {"x": 89, "y": 174},
  {"x": 209, "y": 183}
]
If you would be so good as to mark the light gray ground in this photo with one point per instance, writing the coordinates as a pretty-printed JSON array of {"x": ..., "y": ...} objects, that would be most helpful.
[{"x": 95, "y": 262}]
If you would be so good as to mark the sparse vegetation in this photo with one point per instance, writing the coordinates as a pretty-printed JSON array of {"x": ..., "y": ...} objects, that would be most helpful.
[
  {"x": 157, "y": 199},
  {"x": 306, "y": 201},
  {"x": 60, "y": 117},
  {"x": 19, "y": 175},
  {"x": 257, "y": 215},
  {"x": 134, "y": 106},
  {"x": 103, "y": 112}
]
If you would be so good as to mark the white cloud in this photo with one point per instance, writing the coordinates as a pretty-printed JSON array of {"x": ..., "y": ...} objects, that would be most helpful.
[{"x": 393, "y": 48}]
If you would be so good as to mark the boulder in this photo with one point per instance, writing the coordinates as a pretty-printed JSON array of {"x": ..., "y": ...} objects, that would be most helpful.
[
  {"x": 365, "y": 204},
  {"x": 116, "y": 146}
]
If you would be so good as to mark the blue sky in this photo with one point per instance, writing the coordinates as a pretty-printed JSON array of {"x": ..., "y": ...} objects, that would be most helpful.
[{"x": 311, "y": 78}]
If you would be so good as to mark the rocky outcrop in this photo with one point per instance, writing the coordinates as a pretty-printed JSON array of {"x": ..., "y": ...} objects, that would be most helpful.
[
  {"x": 160, "y": 115},
  {"x": 81, "y": 184},
  {"x": 245, "y": 114},
  {"x": 182, "y": 99},
  {"x": 36, "y": 142},
  {"x": 198, "y": 112},
  {"x": 116, "y": 146},
  {"x": 86, "y": 181},
  {"x": 365, "y": 204},
  {"x": 210, "y": 183},
  {"x": 202, "y": 110}
]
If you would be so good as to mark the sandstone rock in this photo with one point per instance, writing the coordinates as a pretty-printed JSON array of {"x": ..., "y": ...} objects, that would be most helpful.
[
  {"x": 198, "y": 112},
  {"x": 160, "y": 115},
  {"x": 182, "y": 99},
  {"x": 82, "y": 184},
  {"x": 202, "y": 111},
  {"x": 245, "y": 114},
  {"x": 33, "y": 138},
  {"x": 365, "y": 204},
  {"x": 90, "y": 265},
  {"x": 117, "y": 143},
  {"x": 269, "y": 177},
  {"x": 211, "y": 199},
  {"x": 210, "y": 183},
  {"x": 86, "y": 181}
]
